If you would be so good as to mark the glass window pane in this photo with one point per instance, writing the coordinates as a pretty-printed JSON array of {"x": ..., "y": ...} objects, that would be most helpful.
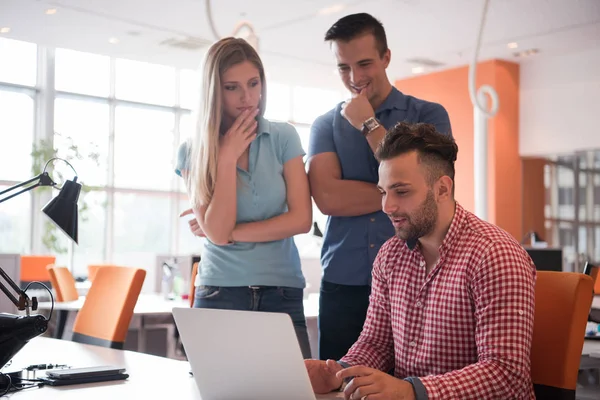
[
  {"x": 81, "y": 136},
  {"x": 304, "y": 133},
  {"x": 80, "y": 72},
  {"x": 15, "y": 223},
  {"x": 19, "y": 62},
  {"x": 144, "y": 82},
  {"x": 189, "y": 89},
  {"x": 278, "y": 102},
  {"x": 309, "y": 103},
  {"x": 16, "y": 128},
  {"x": 144, "y": 148},
  {"x": 141, "y": 228},
  {"x": 92, "y": 233}
]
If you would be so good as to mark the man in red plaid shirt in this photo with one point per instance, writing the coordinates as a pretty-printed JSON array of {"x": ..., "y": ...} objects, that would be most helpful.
[{"x": 452, "y": 302}]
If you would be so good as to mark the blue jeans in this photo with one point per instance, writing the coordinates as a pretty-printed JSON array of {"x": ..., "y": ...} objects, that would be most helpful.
[
  {"x": 259, "y": 298},
  {"x": 342, "y": 313}
]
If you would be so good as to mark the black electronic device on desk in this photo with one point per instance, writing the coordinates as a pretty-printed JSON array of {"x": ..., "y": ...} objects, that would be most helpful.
[{"x": 76, "y": 376}]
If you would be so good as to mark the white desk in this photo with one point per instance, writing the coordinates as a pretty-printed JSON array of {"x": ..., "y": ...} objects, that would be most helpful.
[
  {"x": 153, "y": 311},
  {"x": 150, "y": 377}
]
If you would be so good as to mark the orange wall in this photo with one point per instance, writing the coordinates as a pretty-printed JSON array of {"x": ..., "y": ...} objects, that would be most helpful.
[{"x": 450, "y": 88}]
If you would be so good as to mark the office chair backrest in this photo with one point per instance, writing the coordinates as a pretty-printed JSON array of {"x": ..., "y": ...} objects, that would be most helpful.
[
  {"x": 93, "y": 270},
  {"x": 192, "y": 283},
  {"x": 33, "y": 268},
  {"x": 106, "y": 313},
  {"x": 562, "y": 303},
  {"x": 63, "y": 283}
]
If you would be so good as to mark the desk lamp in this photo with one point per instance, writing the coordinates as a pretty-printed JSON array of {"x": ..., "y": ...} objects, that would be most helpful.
[{"x": 17, "y": 330}]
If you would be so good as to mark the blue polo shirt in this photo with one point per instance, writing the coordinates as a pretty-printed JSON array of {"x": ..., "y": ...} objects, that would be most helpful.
[
  {"x": 350, "y": 244},
  {"x": 261, "y": 194}
]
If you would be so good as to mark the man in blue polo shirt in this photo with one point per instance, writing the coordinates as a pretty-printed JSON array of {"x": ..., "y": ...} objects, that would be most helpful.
[{"x": 342, "y": 170}]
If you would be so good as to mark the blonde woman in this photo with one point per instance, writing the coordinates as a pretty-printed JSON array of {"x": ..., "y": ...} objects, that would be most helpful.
[{"x": 249, "y": 192}]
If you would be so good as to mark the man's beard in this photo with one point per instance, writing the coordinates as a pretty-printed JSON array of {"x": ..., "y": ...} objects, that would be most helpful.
[{"x": 421, "y": 222}]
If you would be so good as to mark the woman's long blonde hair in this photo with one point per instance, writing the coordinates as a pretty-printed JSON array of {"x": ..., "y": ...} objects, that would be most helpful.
[{"x": 204, "y": 151}]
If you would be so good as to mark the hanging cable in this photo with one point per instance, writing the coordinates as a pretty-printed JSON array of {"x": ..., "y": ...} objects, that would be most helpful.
[
  {"x": 211, "y": 23},
  {"x": 474, "y": 94}
]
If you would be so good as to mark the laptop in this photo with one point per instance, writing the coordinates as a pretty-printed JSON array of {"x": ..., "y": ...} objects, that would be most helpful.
[{"x": 241, "y": 355}]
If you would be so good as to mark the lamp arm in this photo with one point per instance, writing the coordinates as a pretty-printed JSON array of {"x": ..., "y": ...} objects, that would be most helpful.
[
  {"x": 42, "y": 179},
  {"x": 23, "y": 302}
]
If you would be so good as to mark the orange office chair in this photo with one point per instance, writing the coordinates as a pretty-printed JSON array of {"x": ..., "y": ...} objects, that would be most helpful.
[
  {"x": 192, "y": 281},
  {"x": 63, "y": 283},
  {"x": 93, "y": 270},
  {"x": 33, "y": 268},
  {"x": 106, "y": 313},
  {"x": 562, "y": 304}
]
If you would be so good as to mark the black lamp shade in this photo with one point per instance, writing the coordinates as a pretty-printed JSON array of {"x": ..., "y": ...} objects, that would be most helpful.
[{"x": 62, "y": 209}]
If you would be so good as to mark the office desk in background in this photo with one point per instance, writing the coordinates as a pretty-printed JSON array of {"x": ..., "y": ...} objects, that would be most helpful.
[
  {"x": 150, "y": 377},
  {"x": 153, "y": 311}
]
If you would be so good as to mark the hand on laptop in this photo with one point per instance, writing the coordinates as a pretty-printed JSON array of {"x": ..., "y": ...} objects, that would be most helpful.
[
  {"x": 323, "y": 375},
  {"x": 368, "y": 382}
]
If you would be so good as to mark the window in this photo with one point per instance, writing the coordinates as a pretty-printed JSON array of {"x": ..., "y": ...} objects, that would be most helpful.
[
  {"x": 189, "y": 89},
  {"x": 19, "y": 62},
  {"x": 279, "y": 107},
  {"x": 144, "y": 82},
  {"x": 304, "y": 133},
  {"x": 309, "y": 103},
  {"x": 85, "y": 73},
  {"x": 81, "y": 132},
  {"x": 16, "y": 128},
  {"x": 144, "y": 148},
  {"x": 15, "y": 223},
  {"x": 141, "y": 228}
]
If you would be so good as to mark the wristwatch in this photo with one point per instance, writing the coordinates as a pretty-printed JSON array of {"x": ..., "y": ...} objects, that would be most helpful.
[{"x": 369, "y": 126}]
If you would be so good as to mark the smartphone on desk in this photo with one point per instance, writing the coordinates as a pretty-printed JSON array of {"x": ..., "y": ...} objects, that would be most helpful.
[{"x": 89, "y": 372}]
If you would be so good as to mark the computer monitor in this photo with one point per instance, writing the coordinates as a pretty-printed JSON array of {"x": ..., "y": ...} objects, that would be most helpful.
[{"x": 546, "y": 259}]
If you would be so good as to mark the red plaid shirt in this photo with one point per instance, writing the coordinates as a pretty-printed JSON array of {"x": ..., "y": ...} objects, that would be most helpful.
[{"x": 465, "y": 328}]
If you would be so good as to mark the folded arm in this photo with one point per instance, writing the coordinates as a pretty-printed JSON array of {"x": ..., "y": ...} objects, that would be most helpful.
[
  {"x": 298, "y": 218},
  {"x": 217, "y": 218},
  {"x": 336, "y": 196}
]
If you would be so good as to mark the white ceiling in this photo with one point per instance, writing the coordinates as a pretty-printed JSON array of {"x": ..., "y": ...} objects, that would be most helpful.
[{"x": 291, "y": 32}]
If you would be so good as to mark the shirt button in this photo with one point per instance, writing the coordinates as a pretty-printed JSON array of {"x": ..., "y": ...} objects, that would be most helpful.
[
  {"x": 521, "y": 312},
  {"x": 422, "y": 263},
  {"x": 372, "y": 219},
  {"x": 412, "y": 344},
  {"x": 371, "y": 245},
  {"x": 419, "y": 304}
]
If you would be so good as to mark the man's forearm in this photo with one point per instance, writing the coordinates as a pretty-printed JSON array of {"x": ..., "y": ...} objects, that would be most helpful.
[{"x": 347, "y": 198}]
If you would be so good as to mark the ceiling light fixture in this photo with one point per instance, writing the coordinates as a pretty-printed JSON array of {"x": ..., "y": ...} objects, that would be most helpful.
[
  {"x": 512, "y": 45},
  {"x": 5, "y": 29},
  {"x": 331, "y": 9},
  {"x": 418, "y": 70},
  {"x": 51, "y": 11},
  {"x": 113, "y": 40},
  {"x": 526, "y": 53}
]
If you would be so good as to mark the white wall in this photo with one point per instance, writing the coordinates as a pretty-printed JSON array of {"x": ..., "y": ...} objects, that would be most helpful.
[{"x": 560, "y": 104}]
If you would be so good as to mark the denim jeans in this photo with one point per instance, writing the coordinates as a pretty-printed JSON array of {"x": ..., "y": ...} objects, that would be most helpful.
[
  {"x": 342, "y": 313},
  {"x": 259, "y": 298}
]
